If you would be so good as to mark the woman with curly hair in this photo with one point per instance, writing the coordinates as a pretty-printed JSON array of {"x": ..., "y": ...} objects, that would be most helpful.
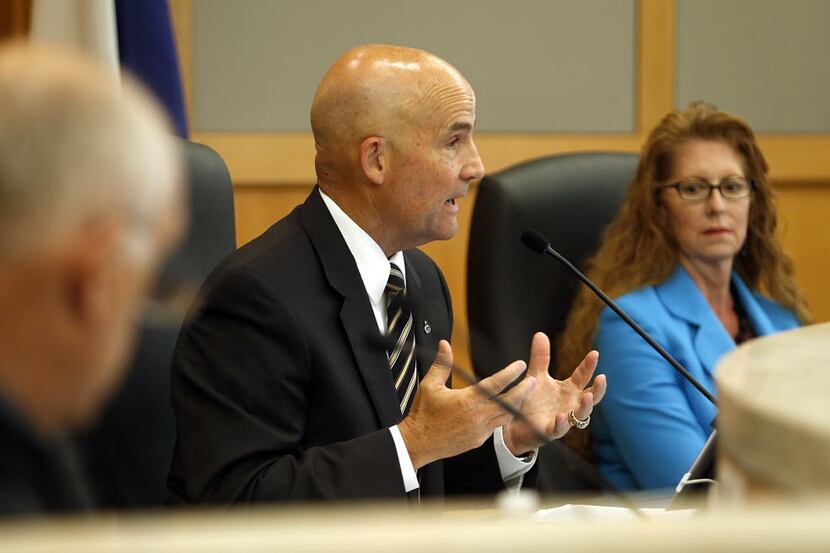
[{"x": 694, "y": 258}]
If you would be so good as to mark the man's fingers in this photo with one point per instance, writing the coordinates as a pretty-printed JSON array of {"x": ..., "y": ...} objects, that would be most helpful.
[
  {"x": 500, "y": 418},
  {"x": 493, "y": 385},
  {"x": 598, "y": 388},
  {"x": 585, "y": 407},
  {"x": 559, "y": 426},
  {"x": 516, "y": 396},
  {"x": 583, "y": 372},
  {"x": 539, "y": 355},
  {"x": 441, "y": 368}
]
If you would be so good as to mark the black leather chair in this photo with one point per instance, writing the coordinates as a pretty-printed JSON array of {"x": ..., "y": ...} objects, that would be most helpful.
[
  {"x": 513, "y": 292},
  {"x": 127, "y": 454}
]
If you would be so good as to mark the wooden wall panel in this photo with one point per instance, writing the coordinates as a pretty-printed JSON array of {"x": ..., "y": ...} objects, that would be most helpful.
[
  {"x": 258, "y": 207},
  {"x": 15, "y": 18},
  {"x": 181, "y": 12},
  {"x": 804, "y": 210},
  {"x": 284, "y": 159},
  {"x": 656, "y": 57}
]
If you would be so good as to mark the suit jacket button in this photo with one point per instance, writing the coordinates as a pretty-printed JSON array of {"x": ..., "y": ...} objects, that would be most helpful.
[{"x": 427, "y": 328}]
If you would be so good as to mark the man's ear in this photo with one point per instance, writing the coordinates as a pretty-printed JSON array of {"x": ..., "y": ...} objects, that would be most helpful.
[
  {"x": 374, "y": 159},
  {"x": 90, "y": 258}
]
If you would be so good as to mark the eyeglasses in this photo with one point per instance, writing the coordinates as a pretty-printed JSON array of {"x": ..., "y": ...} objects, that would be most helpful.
[
  {"x": 168, "y": 308},
  {"x": 174, "y": 293},
  {"x": 695, "y": 190}
]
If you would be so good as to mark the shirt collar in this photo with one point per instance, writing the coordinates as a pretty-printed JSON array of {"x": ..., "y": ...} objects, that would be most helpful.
[{"x": 372, "y": 263}]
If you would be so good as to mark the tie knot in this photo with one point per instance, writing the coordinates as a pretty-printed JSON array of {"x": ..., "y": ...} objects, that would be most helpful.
[{"x": 395, "y": 284}]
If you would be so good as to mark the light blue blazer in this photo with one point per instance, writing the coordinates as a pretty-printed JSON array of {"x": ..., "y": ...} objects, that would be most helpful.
[{"x": 652, "y": 423}]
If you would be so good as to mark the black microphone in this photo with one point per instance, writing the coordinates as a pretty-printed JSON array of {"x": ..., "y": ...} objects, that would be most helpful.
[{"x": 539, "y": 244}]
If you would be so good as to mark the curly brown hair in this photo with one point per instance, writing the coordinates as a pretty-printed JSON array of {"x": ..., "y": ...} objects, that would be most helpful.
[{"x": 638, "y": 248}]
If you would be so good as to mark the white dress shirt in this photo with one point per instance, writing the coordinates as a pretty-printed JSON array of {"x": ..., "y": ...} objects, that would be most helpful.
[{"x": 373, "y": 266}]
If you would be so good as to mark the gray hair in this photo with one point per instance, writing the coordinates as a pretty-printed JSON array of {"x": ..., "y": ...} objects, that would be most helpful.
[{"x": 75, "y": 145}]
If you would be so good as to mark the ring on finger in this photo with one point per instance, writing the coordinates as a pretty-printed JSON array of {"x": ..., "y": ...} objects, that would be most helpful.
[{"x": 579, "y": 424}]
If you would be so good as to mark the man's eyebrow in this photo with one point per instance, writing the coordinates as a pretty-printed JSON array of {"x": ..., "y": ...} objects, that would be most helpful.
[{"x": 461, "y": 126}]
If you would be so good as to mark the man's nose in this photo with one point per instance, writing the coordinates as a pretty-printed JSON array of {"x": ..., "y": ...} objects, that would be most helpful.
[{"x": 474, "y": 168}]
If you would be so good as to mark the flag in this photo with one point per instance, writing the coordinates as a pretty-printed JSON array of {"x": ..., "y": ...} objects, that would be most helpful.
[
  {"x": 147, "y": 48},
  {"x": 136, "y": 35},
  {"x": 84, "y": 25}
]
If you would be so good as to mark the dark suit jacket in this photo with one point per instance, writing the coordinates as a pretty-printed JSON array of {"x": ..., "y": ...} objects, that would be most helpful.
[
  {"x": 36, "y": 476},
  {"x": 281, "y": 385}
]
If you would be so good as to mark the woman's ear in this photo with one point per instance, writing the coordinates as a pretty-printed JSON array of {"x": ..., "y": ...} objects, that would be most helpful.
[{"x": 374, "y": 159}]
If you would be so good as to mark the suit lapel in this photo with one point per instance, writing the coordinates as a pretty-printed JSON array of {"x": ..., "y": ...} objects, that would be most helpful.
[
  {"x": 423, "y": 319},
  {"x": 428, "y": 313},
  {"x": 683, "y": 298},
  {"x": 356, "y": 313}
]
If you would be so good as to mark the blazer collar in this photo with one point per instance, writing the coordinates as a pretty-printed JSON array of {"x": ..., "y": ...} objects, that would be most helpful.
[
  {"x": 356, "y": 314},
  {"x": 683, "y": 298}
]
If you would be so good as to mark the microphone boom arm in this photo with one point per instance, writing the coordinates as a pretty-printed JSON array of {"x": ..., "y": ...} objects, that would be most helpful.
[{"x": 533, "y": 240}]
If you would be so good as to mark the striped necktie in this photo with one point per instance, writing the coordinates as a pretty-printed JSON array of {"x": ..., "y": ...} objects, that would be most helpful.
[{"x": 401, "y": 348}]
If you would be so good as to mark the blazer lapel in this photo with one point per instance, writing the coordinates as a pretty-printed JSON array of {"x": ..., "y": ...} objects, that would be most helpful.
[
  {"x": 424, "y": 319},
  {"x": 683, "y": 298},
  {"x": 356, "y": 313}
]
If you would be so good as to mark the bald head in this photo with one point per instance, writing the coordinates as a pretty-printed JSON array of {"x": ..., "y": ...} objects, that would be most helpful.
[
  {"x": 75, "y": 144},
  {"x": 90, "y": 201},
  {"x": 376, "y": 90}
]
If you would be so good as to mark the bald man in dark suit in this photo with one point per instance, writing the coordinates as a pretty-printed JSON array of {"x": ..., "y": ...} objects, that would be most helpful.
[{"x": 316, "y": 366}]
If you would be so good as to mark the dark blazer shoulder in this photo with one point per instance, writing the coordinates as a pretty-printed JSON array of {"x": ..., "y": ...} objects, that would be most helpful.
[
  {"x": 281, "y": 265},
  {"x": 278, "y": 247},
  {"x": 37, "y": 476}
]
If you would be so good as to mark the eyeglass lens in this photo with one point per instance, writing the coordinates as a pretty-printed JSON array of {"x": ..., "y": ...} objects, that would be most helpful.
[{"x": 731, "y": 188}]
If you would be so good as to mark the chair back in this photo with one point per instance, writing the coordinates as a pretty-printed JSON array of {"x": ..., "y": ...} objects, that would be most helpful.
[
  {"x": 127, "y": 454},
  {"x": 513, "y": 292}
]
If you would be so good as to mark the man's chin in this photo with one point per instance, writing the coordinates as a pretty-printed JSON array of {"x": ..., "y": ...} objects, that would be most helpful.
[
  {"x": 436, "y": 234},
  {"x": 447, "y": 231}
]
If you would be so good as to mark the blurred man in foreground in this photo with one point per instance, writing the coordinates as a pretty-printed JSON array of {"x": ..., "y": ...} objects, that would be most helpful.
[
  {"x": 317, "y": 366},
  {"x": 90, "y": 201}
]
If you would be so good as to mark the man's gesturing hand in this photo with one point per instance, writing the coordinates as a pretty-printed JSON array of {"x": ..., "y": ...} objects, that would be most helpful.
[
  {"x": 547, "y": 405},
  {"x": 444, "y": 422}
]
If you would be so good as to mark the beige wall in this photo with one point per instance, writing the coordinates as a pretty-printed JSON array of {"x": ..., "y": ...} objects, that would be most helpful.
[
  {"x": 536, "y": 65},
  {"x": 759, "y": 58},
  {"x": 273, "y": 170}
]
